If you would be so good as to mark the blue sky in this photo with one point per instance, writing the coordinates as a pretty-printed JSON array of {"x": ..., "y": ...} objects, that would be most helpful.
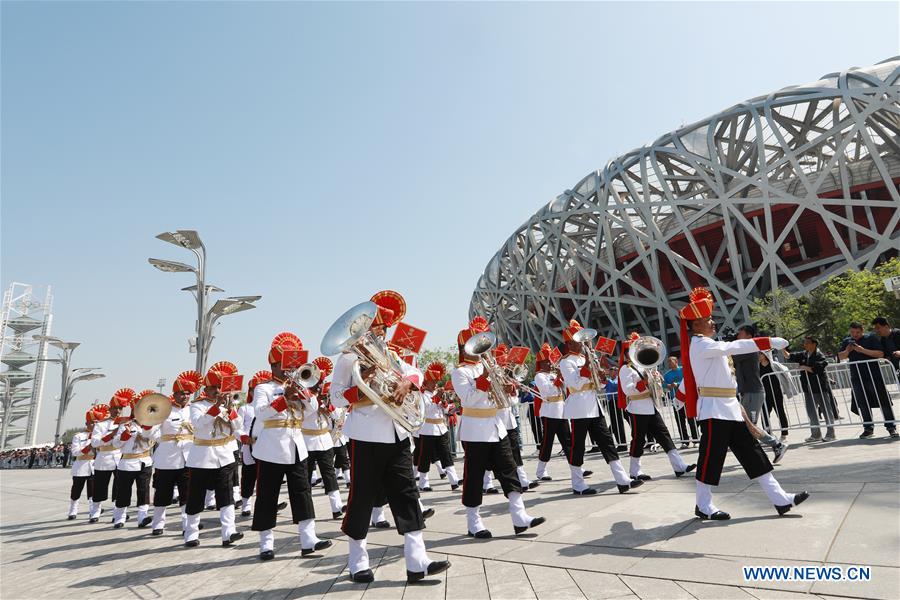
[{"x": 326, "y": 151}]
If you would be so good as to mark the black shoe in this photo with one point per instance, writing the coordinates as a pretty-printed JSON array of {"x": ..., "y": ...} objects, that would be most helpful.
[
  {"x": 425, "y": 489},
  {"x": 434, "y": 567},
  {"x": 687, "y": 470},
  {"x": 585, "y": 492},
  {"x": 237, "y": 535},
  {"x": 428, "y": 512},
  {"x": 719, "y": 515},
  {"x": 267, "y": 555},
  {"x": 480, "y": 535},
  {"x": 798, "y": 498},
  {"x": 192, "y": 543},
  {"x": 534, "y": 523},
  {"x": 637, "y": 483},
  {"x": 642, "y": 477},
  {"x": 533, "y": 484},
  {"x": 93, "y": 519},
  {"x": 71, "y": 517},
  {"x": 894, "y": 434},
  {"x": 281, "y": 506},
  {"x": 320, "y": 545},
  {"x": 245, "y": 513},
  {"x": 364, "y": 576},
  {"x": 209, "y": 507},
  {"x": 587, "y": 473},
  {"x": 492, "y": 490},
  {"x": 866, "y": 434},
  {"x": 336, "y": 515},
  {"x": 156, "y": 532},
  {"x": 144, "y": 522},
  {"x": 443, "y": 475},
  {"x": 454, "y": 487},
  {"x": 546, "y": 478},
  {"x": 383, "y": 525},
  {"x": 118, "y": 525}
]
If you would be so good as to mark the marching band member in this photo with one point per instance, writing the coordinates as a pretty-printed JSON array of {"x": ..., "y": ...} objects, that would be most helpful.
[
  {"x": 511, "y": 424},
  {"x": 280, "y": 452},
  {"x": 583, "y": 409},
  {"x": 82, "y": 453},
  {"x": 175, "y": 441},
  {"x": 341, "y": 456},
  {"x": 552, "y": 401},
  {"x": 316, "y": 431},
  {"x": 134, "y": 467},
  {"x": 635, "y": 397},
  {"x": 434, "y": 436},
  {"x": 380, "y": 458},
  {"x": 485, "y": 440},
  {"x": 246, "y": 413},
  {"x": 709, "y": 393},
  {"x": 210, "y": 459},
  {"x": 107, "y": 454}
]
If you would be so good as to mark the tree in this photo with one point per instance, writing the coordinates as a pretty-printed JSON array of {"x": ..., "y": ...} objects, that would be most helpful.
[
  {"x": 68, "y": 434},
  {"x": 778, "y": 313}
]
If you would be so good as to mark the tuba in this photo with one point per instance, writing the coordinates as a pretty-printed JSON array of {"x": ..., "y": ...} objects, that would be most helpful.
[
  {"x": 648, "y": 353},
  {"x": 351, "y": 334},
  {"x": 584, "y": 337},
  {"x": 480, "y": 345}
]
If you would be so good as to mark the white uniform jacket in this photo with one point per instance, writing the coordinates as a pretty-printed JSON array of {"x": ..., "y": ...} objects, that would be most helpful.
[
  {"x": 581, "y": 402},
  {"x": 341, "y": 439},
  {"x": 316, "y": 428},
  {"x": 176, "y": 436},
  {"x": 552, "y": 398},
  {"x": 276, "y": 429},
  {"x": 639, "y": 400},
  {"x": 214, "y": 442},
  {"x": 136, "y": 449},
  {"x": 246, "y": 413},
  {"x": 82, "y": 463},
  {"x": 366, "y": 422},
  {"x": 712, "y": 374},
  {"x": 435, "y": 423},
  {"x": 107, "y": 455},
  {"x": 481, "y": 420}
]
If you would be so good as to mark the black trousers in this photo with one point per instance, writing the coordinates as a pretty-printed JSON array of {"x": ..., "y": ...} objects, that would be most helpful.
[
  {"x": 125, "y": 479},
  {"x": 78, "y": 484},
  {"x": 537, "y": 426},
  {"x": 341, "y": 458},
  {"x": 435, "y": 448},
  {"x": 515, "y": 445},
  {"x": 101, "y": 484},
  {"x": 325, "y": 460},
  {"x": 269, "y": 476},
  {"x": 717, "y": 437},
  {"x": 683, "y": 423},
  {"x": 417, "y": 450},
  {"x": 164, "y": 483},
  {"x": 776, "y": 403},
  {"x": 617, "y": 425},
  {"x": 235, "y": 475},
  {"x": 248, "y": 480},
  {"x": 653, "y": 424},
  {"x": 200, "y": 480},
  {"x": 378, "y": 470},
  {"x": 558, "y": 428},
  {"x": 596, "y": 426},
  {"x": 484, "y": 456}
]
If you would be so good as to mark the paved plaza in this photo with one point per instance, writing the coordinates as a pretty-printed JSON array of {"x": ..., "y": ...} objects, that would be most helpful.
[{"x": 640, "y": 545}]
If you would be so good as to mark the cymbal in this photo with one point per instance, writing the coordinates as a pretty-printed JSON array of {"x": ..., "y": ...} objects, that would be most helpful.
[{"x": 152, "y": 410}]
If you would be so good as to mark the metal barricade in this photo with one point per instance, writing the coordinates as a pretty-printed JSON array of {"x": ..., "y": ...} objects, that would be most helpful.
[{"x": 809, "y": 402}]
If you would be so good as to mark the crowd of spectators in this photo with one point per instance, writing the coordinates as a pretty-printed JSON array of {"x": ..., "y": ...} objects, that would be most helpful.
[{"x": 38, "y": 457}]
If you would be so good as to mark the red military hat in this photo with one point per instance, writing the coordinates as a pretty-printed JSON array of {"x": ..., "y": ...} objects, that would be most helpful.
[
  {"x": 221, "y": 369},
  {"x": 283, "y": 341},
  {"x": 143, "y": 393},
  {"x": 476, "y": 325},
  {"x": 122, "y": 398},
  {"x": 98, "y": 412},
  {"x": 500, "y": 354},
  {"x": 700, "y": 306},
  {"x": 187, "y": 381},
  {"x": 391, "y": 308},
  {"x": 435, "y": 371},
  {"x": 572, "y": 329},
  {"x": 325, "y": 366},
  {"x": 545, "y": 353}
]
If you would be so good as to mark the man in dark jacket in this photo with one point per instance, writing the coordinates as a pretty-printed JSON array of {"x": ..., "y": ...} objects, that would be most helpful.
[
  {"x": 815, "y": 387},
  {"x": 866, "y": 380},
  {"x": 890, "y": 340}
]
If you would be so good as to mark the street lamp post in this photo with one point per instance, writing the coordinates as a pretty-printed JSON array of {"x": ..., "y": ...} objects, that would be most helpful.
[
  {"x": 7, "y": 409},
  {"x": 206, "y": 319}
]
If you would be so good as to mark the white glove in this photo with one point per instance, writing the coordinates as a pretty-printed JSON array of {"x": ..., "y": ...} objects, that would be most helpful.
[{"x": 778, "y": 343}]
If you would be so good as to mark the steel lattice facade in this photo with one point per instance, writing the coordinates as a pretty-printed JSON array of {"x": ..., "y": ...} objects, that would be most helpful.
[{"x": 783, "y": 190}]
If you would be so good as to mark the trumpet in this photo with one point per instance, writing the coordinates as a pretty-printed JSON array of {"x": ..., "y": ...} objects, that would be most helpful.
[
  {"x": 584, "y": 337},
  {"x": 648, "y": 353},
  {"x": 480, "y": 345}
]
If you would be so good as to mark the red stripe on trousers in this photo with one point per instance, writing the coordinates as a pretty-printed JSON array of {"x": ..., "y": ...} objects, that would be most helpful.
[
  {"x": 572, "y": 444},
  {"x": 352, "y": 453},
  {"x": 546, "y": 436},
  {"x": 633, "y": 434},
  {"x": 708, "y": 448},
  {"x": 465, "y": 467}
]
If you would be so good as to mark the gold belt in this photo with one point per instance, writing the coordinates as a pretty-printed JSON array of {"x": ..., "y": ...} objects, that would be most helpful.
[
  {"x": 479, "y": 413},
  {"x": 145, "y": 454},
  {"x": 641, "y": 396},
  {"x": 585, "y": 388},
  {"x": 435, "y": 421},
  {"x": 717, "y": 392},
  {"x": 107, "y": 448},
  {"x": 84, "y": 458},
  {"x": 557, "y": 398},
  {"x": 306, "y": 431},
  {"x": 176, "y": 437},
  {"x": 282, "y": 423},
  {"x": 362, "y": 402},
  {"x": 213, "y": 442}
]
